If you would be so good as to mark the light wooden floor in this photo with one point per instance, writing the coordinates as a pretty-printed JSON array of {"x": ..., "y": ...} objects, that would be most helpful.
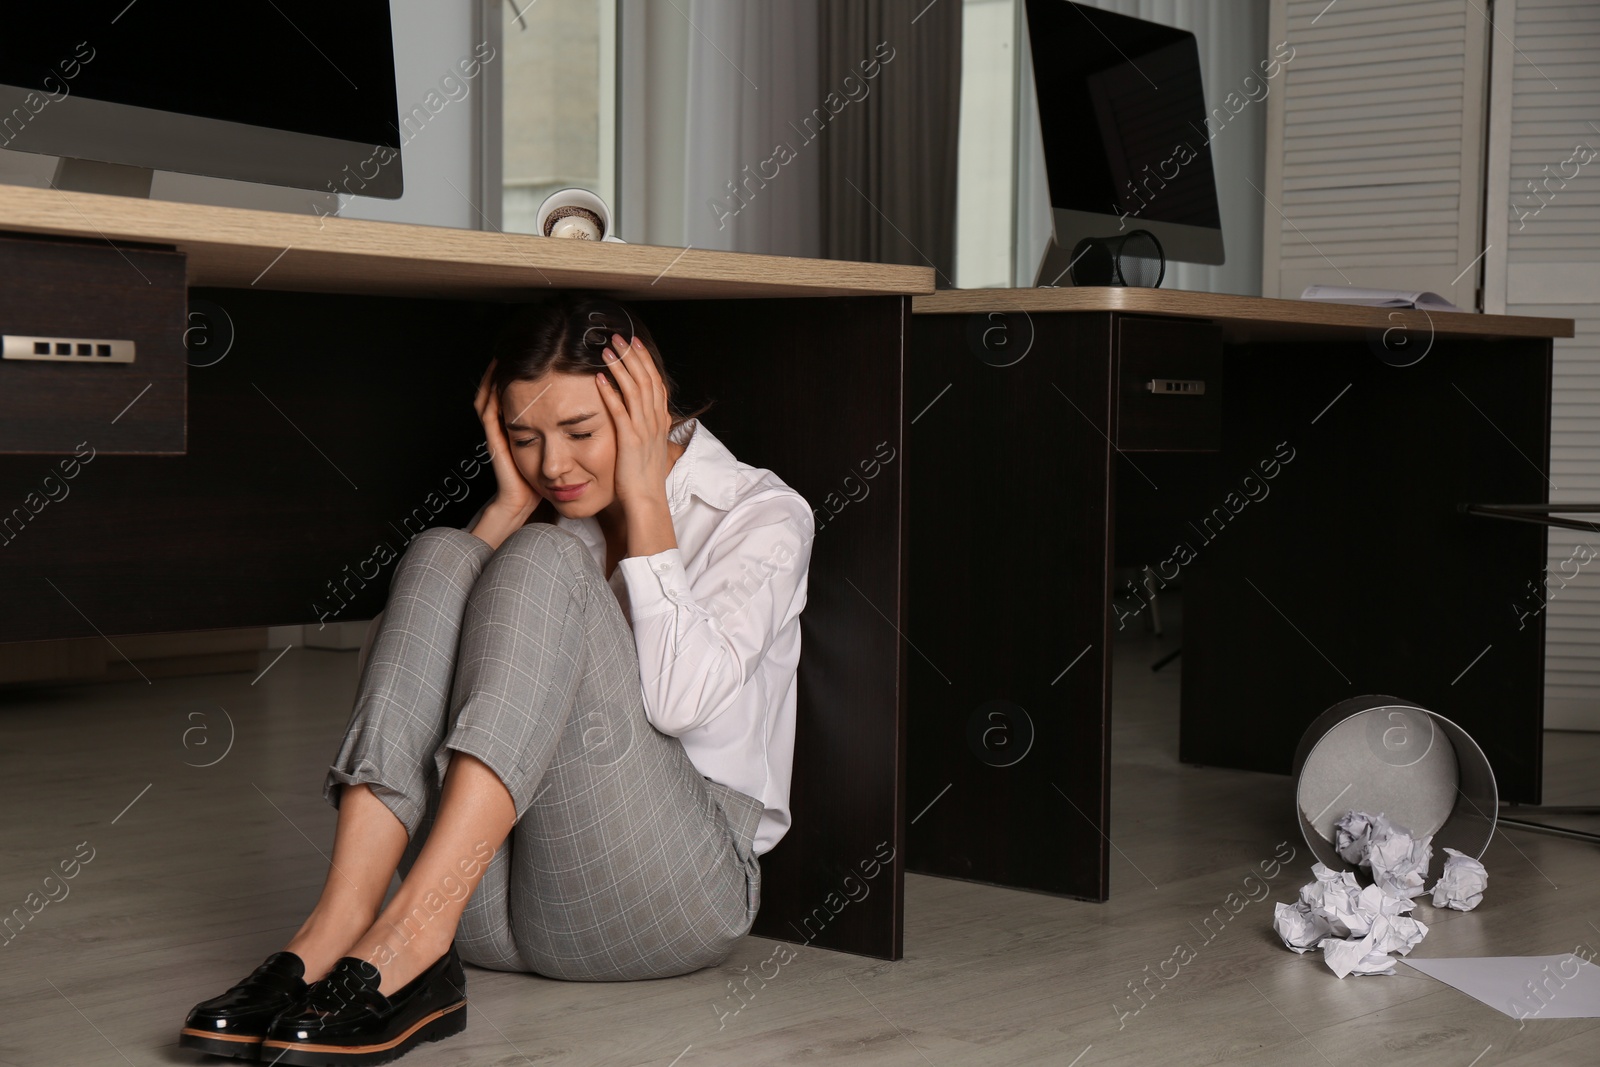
[{"x": 199, "y": 872}]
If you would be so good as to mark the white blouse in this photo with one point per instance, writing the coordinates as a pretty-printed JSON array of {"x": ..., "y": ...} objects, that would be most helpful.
[{"x": 716, "y": 620}]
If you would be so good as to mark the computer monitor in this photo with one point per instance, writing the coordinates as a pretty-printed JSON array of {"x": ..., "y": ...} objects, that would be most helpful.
[
  {"x": 1126, "y": 135},
  {"x": 293, "y": 92}
]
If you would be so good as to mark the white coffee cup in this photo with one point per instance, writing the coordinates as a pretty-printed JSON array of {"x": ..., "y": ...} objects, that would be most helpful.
[{"x": 575, "y": 227}]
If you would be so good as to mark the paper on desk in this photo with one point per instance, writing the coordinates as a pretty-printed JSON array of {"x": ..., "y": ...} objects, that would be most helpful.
[
  {"x": 1523, "y": 987},
  {"x": 1383, "y": 298}
]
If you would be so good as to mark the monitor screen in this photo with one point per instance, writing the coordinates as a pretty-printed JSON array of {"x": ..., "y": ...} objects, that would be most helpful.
[
  {"x": 1122, "y": 117},
  {"x": 322, "y": 71}
]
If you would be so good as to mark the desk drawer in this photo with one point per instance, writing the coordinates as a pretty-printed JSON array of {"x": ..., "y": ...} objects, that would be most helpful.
[
  {"x": 72, "y": 296},
  {"x": 1169, "y": 385}
]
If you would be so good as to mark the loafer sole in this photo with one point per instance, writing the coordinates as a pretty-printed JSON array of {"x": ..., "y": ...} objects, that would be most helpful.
[
  {"x": 235, "y": 1046},
  {"x": 447, "y": 1021}
]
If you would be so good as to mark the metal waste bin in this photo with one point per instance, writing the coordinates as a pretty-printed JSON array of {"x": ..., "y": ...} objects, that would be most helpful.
[{"x": 1387, "y": 756}]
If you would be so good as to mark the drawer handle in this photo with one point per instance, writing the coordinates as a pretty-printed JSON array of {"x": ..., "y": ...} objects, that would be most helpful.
[
  {"x": 1176, "y": 386},
  {"x": 67, "y": 349}
]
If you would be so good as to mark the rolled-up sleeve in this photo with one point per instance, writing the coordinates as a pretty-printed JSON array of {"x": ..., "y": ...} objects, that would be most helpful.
[{"x": 700, "y": 641}]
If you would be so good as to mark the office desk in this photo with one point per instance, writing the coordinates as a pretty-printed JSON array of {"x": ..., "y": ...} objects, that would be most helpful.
[
  {"x": 1308, "y": 502},
  {"x": 321, "y": 413}
]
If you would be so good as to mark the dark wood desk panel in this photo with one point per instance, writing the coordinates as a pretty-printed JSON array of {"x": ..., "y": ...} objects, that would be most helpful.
[
  {"x": 1359, "y": 573},
  {"x": 312, "y": 442},
  {"x": 812, "y": 389},
  {"x": 1010, "y": 569}
]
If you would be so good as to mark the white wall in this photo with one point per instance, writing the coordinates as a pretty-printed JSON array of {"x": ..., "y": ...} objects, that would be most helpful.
[
  {"x": 985, "y": 163},
  {"x": 653, "y": 91},
  {"x": 444, "y": 183}
]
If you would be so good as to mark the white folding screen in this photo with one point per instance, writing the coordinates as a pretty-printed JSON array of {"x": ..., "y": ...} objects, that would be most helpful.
[
  {"x": 1374, "y": 147},
  {"x": 1543, "y": 226}
]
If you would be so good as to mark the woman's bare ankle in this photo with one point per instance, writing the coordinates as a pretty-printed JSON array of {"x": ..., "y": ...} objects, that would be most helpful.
[
  {"x": 401, "y": 952},
  {"x": 324, "y": 938}
]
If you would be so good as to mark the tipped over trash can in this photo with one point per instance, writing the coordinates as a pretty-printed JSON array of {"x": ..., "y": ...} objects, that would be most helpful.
[{"x": 1384, "y": 755}]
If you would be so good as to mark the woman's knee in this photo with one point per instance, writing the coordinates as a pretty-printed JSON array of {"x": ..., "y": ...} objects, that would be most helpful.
[
  {"x": 537, "y": 536},
  {"x": 546, "y": 541},
  {"x": 437, "y": 541}
]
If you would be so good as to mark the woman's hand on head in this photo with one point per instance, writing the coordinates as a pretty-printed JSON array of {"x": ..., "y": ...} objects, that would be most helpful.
[
  {"x": 640, "y": 416},
  {"x": 514, "y": 493}
]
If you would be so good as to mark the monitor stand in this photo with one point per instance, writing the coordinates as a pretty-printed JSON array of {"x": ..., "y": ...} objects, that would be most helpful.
[
  {"x": 1054, "y": 267},
  {"x": 93, "y": 176}
]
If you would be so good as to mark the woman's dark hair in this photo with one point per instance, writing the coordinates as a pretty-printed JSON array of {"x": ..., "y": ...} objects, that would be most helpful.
[{"x": 568, "y": 335}]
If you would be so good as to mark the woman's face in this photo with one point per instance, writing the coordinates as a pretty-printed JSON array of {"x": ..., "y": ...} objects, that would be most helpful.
[{"x": 562, "y": 434}]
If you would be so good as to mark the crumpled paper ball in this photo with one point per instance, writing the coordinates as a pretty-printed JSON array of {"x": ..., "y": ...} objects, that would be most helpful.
[
  {"x": 1376, "y": 900},
  {"x": 1461, "y": 884},
  {"x": 1398, "y": 933},
  {"x": 1333, "y": 896},
  {"x": 1346, "y": 956},
  {"x": 1352, "y": 836},
  {"x": 1359, "y": 928},
  {"x": 1301, "y": 928},
  {"x": 1399, "y": 862}
]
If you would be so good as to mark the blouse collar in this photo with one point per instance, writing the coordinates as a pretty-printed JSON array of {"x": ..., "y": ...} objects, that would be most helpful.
[{"x": 706, "y": 469}]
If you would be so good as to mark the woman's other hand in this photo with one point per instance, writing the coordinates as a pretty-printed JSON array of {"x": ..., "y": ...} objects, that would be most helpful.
[
  {"x": 514, "y": 495},
  {"x": 641, "y": 419}
]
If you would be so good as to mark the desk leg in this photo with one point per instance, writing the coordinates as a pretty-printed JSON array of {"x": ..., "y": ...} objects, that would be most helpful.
[
  {"x": 814, "y": 390},
  {"x": 1010, "y": 683}
]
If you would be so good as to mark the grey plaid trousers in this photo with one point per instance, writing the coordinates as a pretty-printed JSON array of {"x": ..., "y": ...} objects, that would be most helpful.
[{"x": 625, "y": 862}]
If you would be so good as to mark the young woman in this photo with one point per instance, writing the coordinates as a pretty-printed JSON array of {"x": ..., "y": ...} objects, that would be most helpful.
[{"x": 571, "y": 737}]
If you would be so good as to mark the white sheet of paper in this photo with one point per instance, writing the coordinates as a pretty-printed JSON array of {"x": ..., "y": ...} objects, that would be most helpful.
[{"x": 1523, "y": 987}]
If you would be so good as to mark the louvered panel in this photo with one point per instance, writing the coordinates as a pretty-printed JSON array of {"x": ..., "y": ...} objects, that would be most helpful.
[
  {"x": 1572, "y": 617},
  {"x": 1358, "y": 127},
  {"x": 1375, "y": 147},
  {"x": 1334, "y": 179},
  {"x": 1558, "y": 248},
  {"x": 1375, "y": 221},
  {"x": 1558, "y": 218},
  {"x": 1379, "y": 79},
  {"x": 1334, "y": 53},
  {"x": 1441, "y": 94},
  {"x": 1326, "y": 173},
  {"x": 1567, "y": 696}
]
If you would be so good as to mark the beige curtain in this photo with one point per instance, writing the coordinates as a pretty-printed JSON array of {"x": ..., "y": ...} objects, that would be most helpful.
[{"x": 886, "y": 125}]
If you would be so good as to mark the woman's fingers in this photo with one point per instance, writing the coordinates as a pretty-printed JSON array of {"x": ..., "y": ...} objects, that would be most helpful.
[
  {"x": 481, "y": 400},
  {"x": 640, "y": 383},
  {"x": 616, "y": 357}
]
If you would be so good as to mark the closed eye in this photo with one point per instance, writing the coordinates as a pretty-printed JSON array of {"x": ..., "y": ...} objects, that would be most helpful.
[{"x": 575, "y": 436}]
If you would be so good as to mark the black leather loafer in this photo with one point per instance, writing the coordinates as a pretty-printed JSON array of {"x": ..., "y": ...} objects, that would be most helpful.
[
  {"x": 344, "y": 1020},
  {"x": 235, "y": 1023}
]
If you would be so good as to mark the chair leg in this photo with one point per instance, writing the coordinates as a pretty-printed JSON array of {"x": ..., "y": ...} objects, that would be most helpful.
[{"x": 1155, "y": 604}]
